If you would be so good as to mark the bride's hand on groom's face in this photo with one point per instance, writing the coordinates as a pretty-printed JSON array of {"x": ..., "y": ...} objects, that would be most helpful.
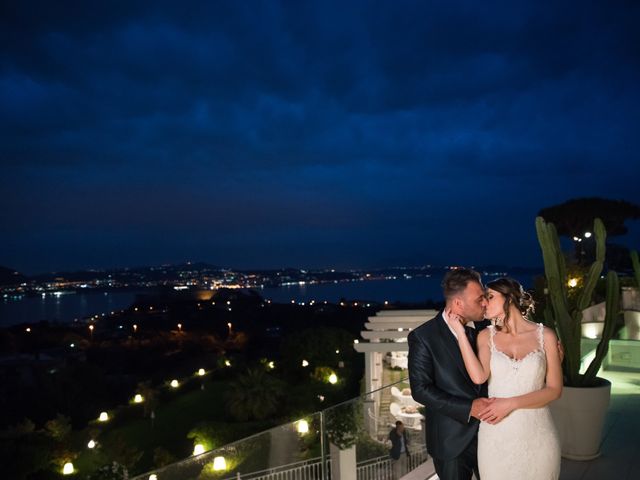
[
  {"x": 456, "y": 323},
  {"x": 498, "y": 409}
]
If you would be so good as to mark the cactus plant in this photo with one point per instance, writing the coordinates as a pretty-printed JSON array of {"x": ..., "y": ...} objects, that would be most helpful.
[{"x": 566, "y": 315}]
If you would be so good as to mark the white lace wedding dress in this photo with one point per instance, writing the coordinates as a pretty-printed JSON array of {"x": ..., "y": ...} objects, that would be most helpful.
[{"x": 525, "y": 444}]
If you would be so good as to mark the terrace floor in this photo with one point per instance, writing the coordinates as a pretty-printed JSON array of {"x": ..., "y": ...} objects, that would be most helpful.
[{"x": 620, "y": 457}]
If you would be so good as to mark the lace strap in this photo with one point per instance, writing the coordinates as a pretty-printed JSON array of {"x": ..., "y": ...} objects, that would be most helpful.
[
  {"x": 492, "y": 333},
  {"x": 541, "y": 336}
]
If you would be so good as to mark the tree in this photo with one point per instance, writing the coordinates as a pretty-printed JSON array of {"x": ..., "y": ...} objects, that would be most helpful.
[
  {"x": 574, "y": 218},
  {"x": 150, "y": 396},
  {"x": 58, "y": 428},
  {"x": 254, "y": 395}
]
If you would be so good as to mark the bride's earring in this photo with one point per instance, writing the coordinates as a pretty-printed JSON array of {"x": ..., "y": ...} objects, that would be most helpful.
[{"x": 498, "y": 321}]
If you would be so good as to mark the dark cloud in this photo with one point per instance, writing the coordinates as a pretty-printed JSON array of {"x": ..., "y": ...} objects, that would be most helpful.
[{"x": 270, "y": 133}]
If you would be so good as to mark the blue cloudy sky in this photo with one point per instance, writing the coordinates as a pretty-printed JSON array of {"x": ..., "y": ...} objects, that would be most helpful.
[{"x": 308, "y": 133}]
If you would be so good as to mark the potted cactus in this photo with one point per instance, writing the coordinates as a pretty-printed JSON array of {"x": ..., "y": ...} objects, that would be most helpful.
[{"x": 579, "y": 414}]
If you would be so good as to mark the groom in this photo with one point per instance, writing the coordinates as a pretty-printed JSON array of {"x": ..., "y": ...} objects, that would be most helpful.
[{"x": 440, "y": 381}]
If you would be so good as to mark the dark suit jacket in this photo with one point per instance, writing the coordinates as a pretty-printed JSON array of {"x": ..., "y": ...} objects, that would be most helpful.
[
  {"x": 440, "y": 382},
  {"x": 395, "y": 444}
]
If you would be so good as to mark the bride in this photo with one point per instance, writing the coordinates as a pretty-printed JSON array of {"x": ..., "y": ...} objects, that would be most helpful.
[{"x": 517, "y": 437}]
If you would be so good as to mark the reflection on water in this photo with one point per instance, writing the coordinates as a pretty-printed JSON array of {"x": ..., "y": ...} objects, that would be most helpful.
[
  {"x": 61, "y": 307},
  {"x": 67, "y": 307}
]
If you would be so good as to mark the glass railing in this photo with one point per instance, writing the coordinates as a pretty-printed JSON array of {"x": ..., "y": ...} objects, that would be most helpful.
[{"x": 348, "y": 440}]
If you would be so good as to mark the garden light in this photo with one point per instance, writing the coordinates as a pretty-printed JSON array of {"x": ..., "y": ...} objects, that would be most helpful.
[
  {"x": 104, "y": 417},
  {"x": 198, "y": 449},
  {"x": 67, "y": 469},
  {"x": 303, "y": 426},
  {"x": 219, "y": 464}
]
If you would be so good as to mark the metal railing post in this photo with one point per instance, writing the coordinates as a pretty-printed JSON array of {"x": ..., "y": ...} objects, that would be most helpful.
[{"x": 323, "y": 448}]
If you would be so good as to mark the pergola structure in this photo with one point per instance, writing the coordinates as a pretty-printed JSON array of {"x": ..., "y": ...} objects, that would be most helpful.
[{"x": 387, "y": 332}]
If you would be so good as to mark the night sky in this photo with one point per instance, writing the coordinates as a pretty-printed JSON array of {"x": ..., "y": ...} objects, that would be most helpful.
[{"x": 308, "y": 134}]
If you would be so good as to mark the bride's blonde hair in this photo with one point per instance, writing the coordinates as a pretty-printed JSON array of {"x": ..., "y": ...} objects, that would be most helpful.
[{"x": 514, "y": 294}]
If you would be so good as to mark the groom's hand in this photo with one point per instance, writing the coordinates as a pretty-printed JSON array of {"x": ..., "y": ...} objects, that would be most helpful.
[
  {"x": 497, "y": 410},
  {"x": 479, "y": 405}
]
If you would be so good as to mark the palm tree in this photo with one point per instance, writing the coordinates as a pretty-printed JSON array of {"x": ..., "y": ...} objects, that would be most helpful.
[{"x": 254, "y": 395}]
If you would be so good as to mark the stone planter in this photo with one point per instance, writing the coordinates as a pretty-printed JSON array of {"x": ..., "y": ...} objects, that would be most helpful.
[
  {"x": 343, "y": 462},
  {"x": 632, "y": 322},
  {"x": 579, "y": 417}
]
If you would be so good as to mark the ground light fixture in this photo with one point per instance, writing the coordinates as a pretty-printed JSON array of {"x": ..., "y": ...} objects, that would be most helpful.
[
  {"x": 201, "y": 372},
  {"x": 333, "y": 379},
  {"x": 198, "y": 449},
  {"x": 104, "y": 417},
  {"x": 138, "y": 398},
  {"x": 91, "y": 444},
  {"x": 219, "y": 464},
  {"x": 303, "y": 427},
  {"x": 68, "y": 469}
]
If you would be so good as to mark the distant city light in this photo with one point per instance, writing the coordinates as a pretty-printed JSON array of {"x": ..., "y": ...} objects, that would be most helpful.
[
  {"x": 271, "y": 365},
  {"x": 68, "y": 468},
  {"x": 201, "y": 372},
  {"x": 138, "y": 398},
  {"x": 219, "y": 463},
  {"x": 587, "y": 234},
  {"x": 135, "y": 327},
  {"x": 91, "y": 444},
  {"x": 305, "y": 363},
  {"x": 227, "y": 363},
  {"x": 104, "y": 417},
  {"x": 174, "y": 383},
  {"x": 303, "y": 426},
  {"x": 72, "y": 345},
  {"x": 28, "y": 329},
  {"x": 198, "y": 449},
  {"x": 180, "y": 326},
  {"x": 356, "y": 341},
  {"x": 338, "y": 351},
  {"x": 333, "y": 379}
]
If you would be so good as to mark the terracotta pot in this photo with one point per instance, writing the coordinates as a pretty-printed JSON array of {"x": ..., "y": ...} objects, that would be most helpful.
[{"x": 579, "y": 417}]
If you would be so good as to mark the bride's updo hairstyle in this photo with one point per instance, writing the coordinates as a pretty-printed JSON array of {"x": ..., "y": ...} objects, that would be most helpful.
[{"x": 513, "y": 295}]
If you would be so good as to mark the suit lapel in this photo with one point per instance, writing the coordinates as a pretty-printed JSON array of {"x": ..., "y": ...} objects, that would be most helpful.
[{"x": 451, "y": 346}]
